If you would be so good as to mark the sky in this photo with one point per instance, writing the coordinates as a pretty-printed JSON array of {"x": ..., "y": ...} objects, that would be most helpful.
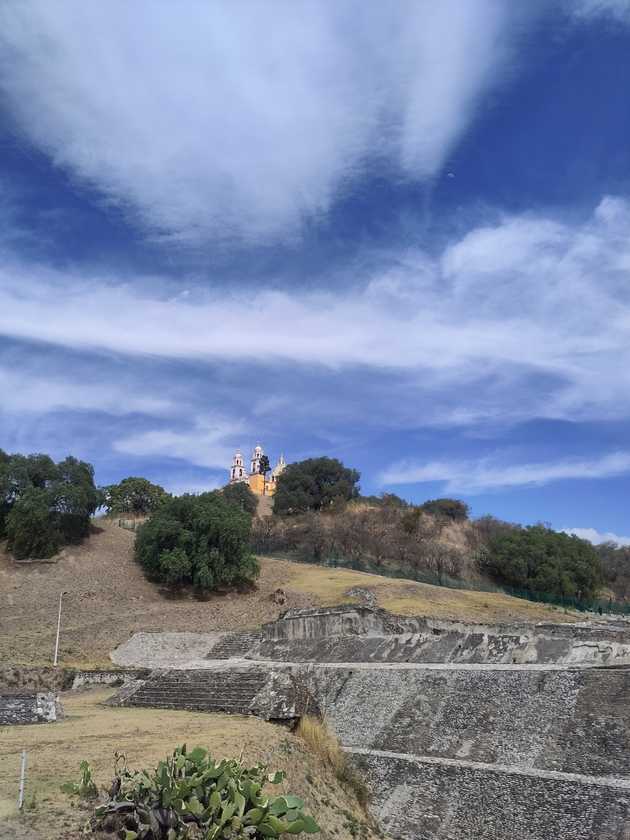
[{"x": 395, "y": 233}]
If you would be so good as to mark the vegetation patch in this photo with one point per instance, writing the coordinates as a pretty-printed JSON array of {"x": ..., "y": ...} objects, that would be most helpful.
[
  {"x": 190, "y": 795},
  {"x": 203, "y": 541},
  {"x": 44, "y": 505},
  {"x": 134, "y": 496},
  {"x": 314, "y": 484}
]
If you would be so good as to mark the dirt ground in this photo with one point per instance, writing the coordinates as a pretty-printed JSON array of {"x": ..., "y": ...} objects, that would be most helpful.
[
  {"x": 94, "y": 732},
  {"x": 108, "y": 599}
]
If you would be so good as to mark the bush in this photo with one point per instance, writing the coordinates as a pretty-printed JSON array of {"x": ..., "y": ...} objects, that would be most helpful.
[
  {"x": 31, "y": 530},
  {"x": 541, "y": 560},
  {"x": 314, "y": 484},
  {"x": 133, "y": 495},
  {"x": 615, "y": 560},
  {"x": 201, "y": 541},
  {"x": 447, "y": 509},
  {"x": 239, "y": 494},
  {"x": 44, "y": 505},
  {"x": 191, "y": 795}
]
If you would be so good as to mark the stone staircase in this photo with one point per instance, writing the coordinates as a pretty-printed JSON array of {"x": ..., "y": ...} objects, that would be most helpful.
[
  {"x": 230, "y": 691},
  {"x": 234, "y": 645}
]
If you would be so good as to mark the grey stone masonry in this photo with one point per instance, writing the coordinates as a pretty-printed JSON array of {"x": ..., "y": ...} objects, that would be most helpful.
[
  {"x": 366, "y": 634},
  {"x": 415, "y": 798},
  {"x": 527, "y": 716},
  {"x": 21, "y": 707}
]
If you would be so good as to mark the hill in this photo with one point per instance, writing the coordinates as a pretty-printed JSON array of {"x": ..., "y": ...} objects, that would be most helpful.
[{"x": 109, "y": 599}]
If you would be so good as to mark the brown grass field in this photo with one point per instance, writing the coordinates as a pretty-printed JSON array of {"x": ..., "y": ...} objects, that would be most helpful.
[
  {"x": 108, "y": 599},
  {"x": 94, "y": 732}
]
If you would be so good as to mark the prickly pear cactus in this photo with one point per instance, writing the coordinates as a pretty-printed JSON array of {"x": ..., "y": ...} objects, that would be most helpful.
[{"x": 189, "y": 795}]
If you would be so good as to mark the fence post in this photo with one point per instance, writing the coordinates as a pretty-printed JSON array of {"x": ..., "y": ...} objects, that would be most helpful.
[{"x": 22, "y": 778}]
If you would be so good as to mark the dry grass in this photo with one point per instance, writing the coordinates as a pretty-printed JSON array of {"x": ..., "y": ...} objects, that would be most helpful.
[
  {"x": 109, "y": 599},
  {"x": 326, "y": 747},
  {"x": 329, "y": 587},
  {"x": 94, "y": 732}
]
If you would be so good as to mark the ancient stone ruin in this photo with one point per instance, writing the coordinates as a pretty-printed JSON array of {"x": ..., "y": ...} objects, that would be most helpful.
[
  {"x": 463, "y": 732},
  {"x": 22, "y": 707}
]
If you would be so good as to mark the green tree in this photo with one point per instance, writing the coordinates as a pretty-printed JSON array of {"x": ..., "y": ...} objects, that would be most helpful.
[
  {"x": 545, "y": 561},
  {"x": 44, "y": 505},
  {"x": 74, "y": 498},
  {"x": 447, "y": 509},
  {"x": 240, "y": 494},
  {"x": 201, "y": 541},
  {"x": 264, "y": 466},
  {"x": 137, "y": 496},
  {"x": 31, "y": 529},
  {"x": 314, "y": 484}
]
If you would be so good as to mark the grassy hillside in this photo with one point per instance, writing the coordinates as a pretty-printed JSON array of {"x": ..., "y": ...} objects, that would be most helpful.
[
  {"x": 109, "y": 599},
  {"x": 94, "y": 732}
]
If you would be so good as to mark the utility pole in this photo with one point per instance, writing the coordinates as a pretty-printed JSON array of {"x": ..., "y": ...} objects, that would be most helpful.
[
  {"x": 58, "y": 629},
  {"x": 22, "y": 779}
]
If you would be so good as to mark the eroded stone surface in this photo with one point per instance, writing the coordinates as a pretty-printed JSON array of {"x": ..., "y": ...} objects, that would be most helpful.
[{"x": 19, "y": 708}]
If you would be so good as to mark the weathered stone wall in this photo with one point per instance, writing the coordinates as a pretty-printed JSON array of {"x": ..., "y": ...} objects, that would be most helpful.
[
  {"x": 424, "y": 799},
  {"x": 17, "y": 708},
  {"x": 363, "y": 634},
  {"x": 47, "y": 678},
  {"x": 575, "y": 721}
]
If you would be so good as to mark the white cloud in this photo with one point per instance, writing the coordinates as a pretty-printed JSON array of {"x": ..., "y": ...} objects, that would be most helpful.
[
  {"x": 242, "y": 119},
  {"x": 529, "y": 317},
  {"x": 25, "y": 392},
  {"x": 209, "y": 443},
  {"x": 597, "y": 537},
  {"x": 479, "y": 476},
  {"x": 589, "y": 9}
]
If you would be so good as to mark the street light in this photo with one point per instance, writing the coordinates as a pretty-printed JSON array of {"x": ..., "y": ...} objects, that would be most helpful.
[{"x": 58, "y": 629}]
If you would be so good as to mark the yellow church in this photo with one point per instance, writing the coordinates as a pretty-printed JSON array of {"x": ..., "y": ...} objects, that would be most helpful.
[{"x": 258, "y": 483}]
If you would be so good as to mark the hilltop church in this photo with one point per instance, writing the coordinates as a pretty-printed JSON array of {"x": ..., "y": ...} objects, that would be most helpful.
[{"x": 258, "y": 483}]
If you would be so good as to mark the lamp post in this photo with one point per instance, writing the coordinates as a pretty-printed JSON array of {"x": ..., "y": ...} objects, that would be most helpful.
[{"x": 58, "y": 629}]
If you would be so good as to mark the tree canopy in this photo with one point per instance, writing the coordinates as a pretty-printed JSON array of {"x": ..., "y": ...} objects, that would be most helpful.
[
  {"x": 44, "y": 505},
  {"x": 541, "y": 560},
  {"x": 239, "y": 494},
  {"x": 314, "y": 484},
  {"x": 201, "y": 541},
  {"x": 447, "y": 509},
  {"x": 133, "y": 495}
]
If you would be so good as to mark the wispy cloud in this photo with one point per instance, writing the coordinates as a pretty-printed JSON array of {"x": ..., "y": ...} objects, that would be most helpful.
[
  {"x": 26, "y": 392},
  {"x": 243, "y": 120},
  {"x": 529, "y": 317},
  {"x": 479, "y": 476},
  {"x": 208, "y": 443},
  {"x": 597, "y": 537},
  {"x": 589, "y": 9}
]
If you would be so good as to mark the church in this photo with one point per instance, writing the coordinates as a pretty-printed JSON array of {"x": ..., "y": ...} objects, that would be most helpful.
[{"x": 258, "y": 483}]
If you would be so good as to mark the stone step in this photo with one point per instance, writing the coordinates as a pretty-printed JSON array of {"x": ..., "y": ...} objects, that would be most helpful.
[
  {"x": 211, "y": 691},
  {"x": 234, "y": 645}
]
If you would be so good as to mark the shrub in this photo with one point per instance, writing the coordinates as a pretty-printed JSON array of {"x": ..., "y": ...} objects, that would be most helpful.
[
  {"x": 133, "y": 495},
  {"x": 239, "y": 494},
  {"x": 314, "y": 484},
  {"x": 44, "y": 505},
  {"x": 201, "y": 541},
  {"x": 447, "y": 509},
  {"x": 541, "y": 560},
  {"x": 189, "y": 794},
  {"x": 31, "y": 530}
]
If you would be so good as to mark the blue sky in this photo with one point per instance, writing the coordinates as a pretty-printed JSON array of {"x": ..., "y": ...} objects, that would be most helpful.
[{"x": 394, "y": 233}]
